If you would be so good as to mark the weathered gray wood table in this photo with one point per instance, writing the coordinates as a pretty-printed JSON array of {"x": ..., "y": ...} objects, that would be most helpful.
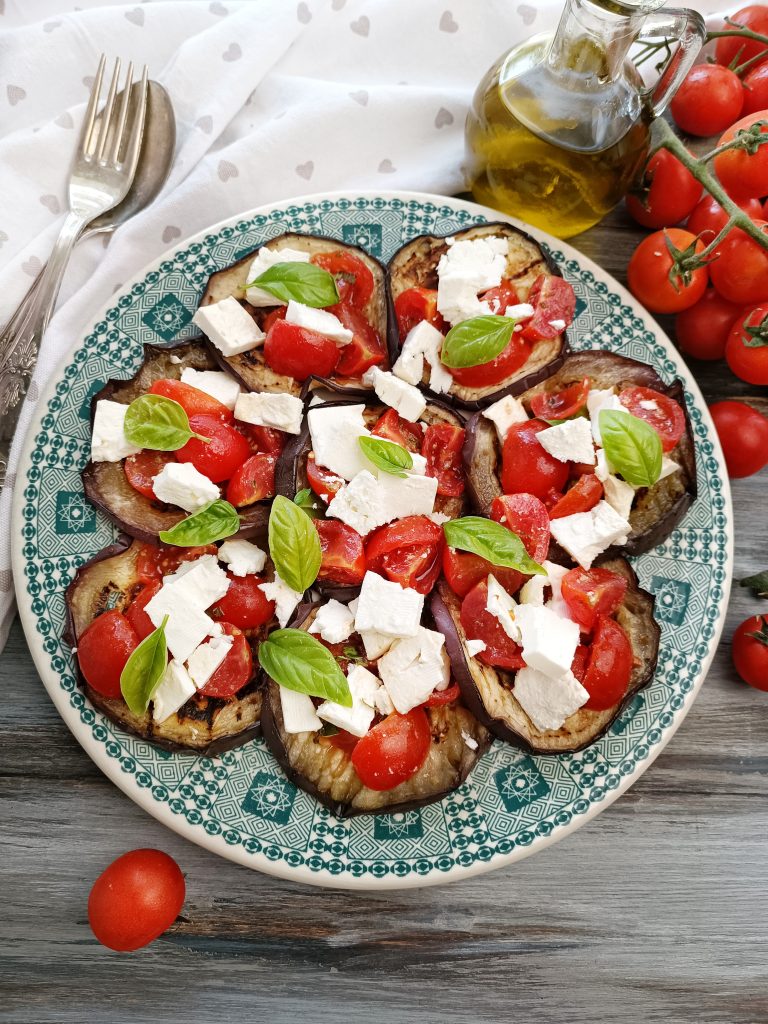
[{"x": 656, "y": 911}]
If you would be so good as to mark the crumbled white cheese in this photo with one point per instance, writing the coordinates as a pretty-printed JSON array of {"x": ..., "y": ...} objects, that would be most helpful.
[
  {"x": 358, "y": 504},
  {"x": 522, "y": 311},
  {"x": 467, "y": 268},
  {"x": 668, "y": 466},
  {"x": 320, "y": 321},
  {"x": 386, "y": 607},
  {"x": 357, "y": 719},
  {"x": 586, "y": 535},
  {"x": 570, "y": 441},
  {"x": 423, "y": 342},
  {"x": 619, "y": 495},
  {"x": 216, "y": 383},
  {"x": 299, "y": 713},
  {"x": 474, "y": 647},
  {"x": 109, "y": 443},
  {"x": 438, "y": 518},
  {"x": 411, "y": 495},
  {"x": 557, "y": 325},
  {"x": 505, "y": 413},
  {"x": 268, "y": 409},
  {"x": 548, "y": 702},
  {"x": 413, "y": 667},
  {"x": 404, "y": 398},
  {"x": 469, "y": 741},
  {"x": 285, "y": 598},
  {"x": 229, "y": 326},
  {"x": 179, "y": 483},
  {"x": 503, "y": 607},
  {"x": 549, "y": 641},
  {"x": 176, "y": 360},
  {"x": 187, "y": 625},
  {"x": 242, "y": 556},
  {"x": 206, "y": 658},
  {"x": 174, "y": 689},
  {"x": 368, "y": 688},
  {"x": 334, "y": 622},
  {"x": 335, "y": 432},
  {"x": 649, "y": 404},
  {"x": 202, "y": 581},
  {"x": 264, "y": 259},
  {"x": 597, "y": 401},
  {"x": 532, "y": 591}
]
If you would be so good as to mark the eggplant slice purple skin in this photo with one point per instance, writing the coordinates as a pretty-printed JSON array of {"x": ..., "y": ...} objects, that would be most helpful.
[
  {"x": 489, "y": 692},
  {"x": 204, "y": 725},
  {"x": 415, "y": 265},
  {"x": 105, "y": 483},
  {"x": 657, "y": 510},
  {"x": 249, "y": 367},
  {"x": 326, "y": 772}
]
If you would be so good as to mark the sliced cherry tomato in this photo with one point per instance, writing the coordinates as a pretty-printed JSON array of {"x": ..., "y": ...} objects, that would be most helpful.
[
  {"x": 417, "y": 530},
  {"x": 353, "y": 278},
  {"x": 408, "y": 552},
  {"x": 244, "y": 605},
  {"x": 526, "y": 466},
  {"x": 135, "y": 899},
  {"x": 501, "y": 298},
  {"x": 414, "y": 305},
  {"x": 157, "y": 560},
  {"x": 743, "y": 433},
  {"x": 743, "y": 174},
  {"x": 750, "y": 651},
  {"x": 343, "y": 553},
  {"x": 442, "y": 449},
  {"x": 342, "y": 740},
  {"x": 736, "y": 50},
  {"x": 526, "y": 515},
  {"x": 322, "y": 481},
  {"x": 264, "y": 439},
  {"x": 393, "y": 751},
  {"x": 463, "y": 571},
  {"x": 580, "y": 662},
  {"x": 478, "y": 623},
  {"x": 666, "y": 416},
  {"x": 709, "y": 100},
  {"x": 703, "y": 330},
  {"x": 747, "y": 347},
  {"x": 272, "y": 317},
  {"x": 649, "y": 272},
  {"x": 756, "y": 89},
  {"x": 554, "y": 301},
  {"x": 610, "y": 665},
  {"x": 366, "y": 348},
  {"x": 135, "y": 613},
  {"x": 253, "y": 481},
  {"x": 592, "y": 592},
  {"x": 561, "y": 405},
  {"x": 439, "y": 698},
  {"x": 394, "y": 428},
  {"x": 740, "y": 273},
  {"x": 220, "y": 456},
  {"x": 193, "y": 401},
  {"x": 667, "y": 193},
  {"x": 103, "y": 649},
  {"x": 297, "y": 352},
  {"x": 581, "y": 497},
  {"x": 235, "y": 671},
  {"x": 497, "y": 370},
  {"x": 143, "y": 467}
]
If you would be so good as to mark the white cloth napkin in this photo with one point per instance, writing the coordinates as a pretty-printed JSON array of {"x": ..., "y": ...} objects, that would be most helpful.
[{"x": 273, "y": 99}]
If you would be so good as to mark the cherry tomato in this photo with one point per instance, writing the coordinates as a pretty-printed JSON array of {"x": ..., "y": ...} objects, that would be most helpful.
[
  {"x": 442, "y": 449},
  {"x": 157, "y": 560},
  {"x": 272, "y": 316},
  {"x": 554, "y": 302},
  {"x": 610, "y": 665},
  {"x": 103, "y": 649},
  {"x": 709, "y": 218},
  {"x": 143, "y": 467},
  {"x": 669, "y": 192},
  {"x": 220, "y": 456},
  {"x": 193, "y": 401},
  {"x": 414, "y": 305},
  {"x": 583, "y": 496},
  {"x": 740, "y": 273},
  {"x": 750, "y": 651},
  {"x": 742, "y": 174},
  {"x": 747, "y": 347},
  {"x": 135, "y": 613},
  {"x": 463, "y": 571},
  {"x": 439, "y": 698},
  {"x": 592, "y": 592},
  {"x": 401, "y": 431},
  {"x": 666, "y": 416},
  {"x": 408, "y": 552},
  {"x": 561, "y": 405},
  {"x": 343, "y": 553},
  {"x": 525, "y": 515},
  {"x": 393, "y": 750},
  {"x": 703, "y": 330},
  {"x": 136, "y": 899},
  {"x": 709, "y": 100},
  {"x": 580, "y": 662},
  {"x": 649, "y": 271},
  {"x": 253, "y": 481},
  {"x": 297, "y": 352},
  {"x": 342, "y": 740},
  {"x": 235, "y": 671},
  {"x": 737, "y": 50},
  {"x": 501, "y": 297},
  {"x": 525, "y": 466},
  {"x": 354, "y": 280},
  {"x": 263, "y": 439},
  {"x": 322, "y": 481},
  {"x": 497, "y": 370},
  {"x": 743, "y": 433},
  {"x": 756, "y": 89},
  {"x": 244, "y": 605},
  {"x": 478, "y": 624},
  {"x": 366, "y": 348}
]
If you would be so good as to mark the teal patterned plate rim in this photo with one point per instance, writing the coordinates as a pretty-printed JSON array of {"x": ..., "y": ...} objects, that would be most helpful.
[{"x": 240, "y": 805}]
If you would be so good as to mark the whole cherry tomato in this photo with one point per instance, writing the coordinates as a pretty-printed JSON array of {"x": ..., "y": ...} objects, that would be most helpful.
[
  {"x": 747, "y": 347},
  {"x": 703, "y": 330},
  {"x": 669, "y": 192},
  {"x": 737, "y": 50},
  {"x": 709, "y": 100},
  {"x": 740, "y": 272},
  {"x": 743, "y": 174},
  {"x": 743, "y": 433},
  {"x": 750, "y": 651},
  {"x": 651, "y": 266},
  {"x": 756, "y": 89}
]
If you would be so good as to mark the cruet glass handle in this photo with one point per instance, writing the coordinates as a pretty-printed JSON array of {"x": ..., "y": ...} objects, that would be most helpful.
[{"x": 688, "y": 28}]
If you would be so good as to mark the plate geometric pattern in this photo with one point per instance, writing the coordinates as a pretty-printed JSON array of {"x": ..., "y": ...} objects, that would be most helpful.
[{"x": 240, "y": 804}]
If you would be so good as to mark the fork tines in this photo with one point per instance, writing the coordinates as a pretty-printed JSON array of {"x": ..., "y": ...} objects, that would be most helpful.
[{"x": 105, "y": 139}]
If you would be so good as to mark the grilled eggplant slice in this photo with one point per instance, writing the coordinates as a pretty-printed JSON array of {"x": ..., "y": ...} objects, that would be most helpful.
[
  {"x": 657, "y": 510},
  {"x": 415, "y": 266},
  {"x": 105, "y": 483},
  {"x": 490, "y": 694},
  {"x": 326, "y": 772},
  {"x": 250, "y": 367},
  {"x": 206, "y": 725}
]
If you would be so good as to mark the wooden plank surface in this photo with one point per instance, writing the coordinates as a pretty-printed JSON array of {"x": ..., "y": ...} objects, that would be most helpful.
[{"x": 654, "y": 912}]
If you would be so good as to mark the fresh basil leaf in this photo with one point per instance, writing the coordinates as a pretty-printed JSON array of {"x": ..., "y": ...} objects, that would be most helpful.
[
  {"x": 294, "y": 544},
  {"x": 302, "y": 282},
  {"x": 214, "y": 521},
  {"x": 306, "y": 500},
  {"x": 144, "y": 670},
  {"x": 477, "y": 340},
  {"x": 758, "y": 583},
  {"x": 491, "y": 541},
  {"x": 387, "y": 455},
  {"x": 631, "y": 446},
  {"x": 159, "y": 423},
  {"x": 299, "y": 662}
]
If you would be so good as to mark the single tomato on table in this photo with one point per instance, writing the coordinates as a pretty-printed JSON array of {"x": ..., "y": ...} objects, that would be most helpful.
[
  {"x": 750, "y": 651},
  {"x": 709, "y": 218},
  {"x": 667, "y": 193},
  {"x": 650, "y": 275},
  {"x": 756, "y": 89},
  {"x": 737, "y": 49},
  {"x": 743, "y": 433}
]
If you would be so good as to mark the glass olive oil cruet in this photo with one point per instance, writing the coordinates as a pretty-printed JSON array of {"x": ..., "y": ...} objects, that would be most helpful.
[{"x": 559, "y": 127}]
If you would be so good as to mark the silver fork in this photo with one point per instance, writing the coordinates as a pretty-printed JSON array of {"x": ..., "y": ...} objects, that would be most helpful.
[{"x": 101, "y": 174}]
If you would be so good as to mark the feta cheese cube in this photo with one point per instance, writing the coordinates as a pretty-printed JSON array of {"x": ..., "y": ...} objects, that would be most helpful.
[
  {"x": 438, "y": 518},
  {"x": 229, "y": 326},
  {"x": 405, "y": 496},
  {"x": 358, "y": 504},
  {"x": 264, "y": 259},
  {"x": 174, "y": 690},
  {"x": 597, "y": 401},
  {"x": 367, "y": 687},
  {"x": 319, "y": 320},
  {"x": 357, "y": 719},
  {"x": 419, "y": 467},
  {"x": 570, "y": 441},
  {"x": 474, "y": 647},
  {"x": 335, "y": 431},
  {"x": 603, "y": 468},
  {"x": 187, "y": 624},
  {"x": 413, "y": 667},
  {"x": 503, "y": 607},
  {"x": 179, "y": 483},
  {"x": 109, "y": 443},
  {"x": 299, "y": 713},
  {"x": 469, "y": 741},
  {"x": 423, "y": 341},
  {"x": 242, "y": 557},
  {"x": 505, "y": 413},
  {"x": 387, "y": 608},
  {"x": 586, "y": 535},
  {"x": 286, "y": 598},
  {"x": 668, "y": 466},
  {"x": 522, "y": 311},
  {"x": 404, "y": 398},
  {"x": 468, "y": 267},
  {"x": 206, "y": 658},
  {"x": 532, "y": 591},
  {"x": 548, "y": 702},
  {"x": 619, "y": 495},
  {"x": 266, "y": 409},
  {"x": 203, "y": 582},
  {"x": 549, "y": 641},
  {"x": 457, "y": 299},
  {"x": 216, "y": 383},
  {"x": 334, "y": 622}
]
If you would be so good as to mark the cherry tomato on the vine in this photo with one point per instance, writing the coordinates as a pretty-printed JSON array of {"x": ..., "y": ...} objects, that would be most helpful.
[
  {"x": 737, "y": 50},
  {"x": 670, "y": 192},
  {"x": 747, "y": 346},
  {"x": 756, "y": 89},
  {"x": 650, "y": 273},
  {"x": 743, "y": 174},
  {"x": 702, "y": 330},
  {"x": 709, "y": 218},
  {"x": 750, "y": 651},
  {"x": 709, "y": 100},
  {"x": 740, "y": 272}
]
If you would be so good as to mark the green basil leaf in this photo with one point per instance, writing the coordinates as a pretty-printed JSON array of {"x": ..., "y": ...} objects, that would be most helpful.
[
  {"x": 159, "y": 423},
  {"x": 491, "y": 541},
  {"x": 758, "y": 583},
  {"x": 294, "y": 544},
  {"x": 631, "y": 446},
  {"x": 387, "y": 455},
  {"x": 477, "y": 340},
  {"x": 299, "y": 662},
  {"x": 307, "y": 501},
  {"x": 215, "y": 521},
  {"x": 144, "y": 670},
  {"x": 302, "y": 282}
]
